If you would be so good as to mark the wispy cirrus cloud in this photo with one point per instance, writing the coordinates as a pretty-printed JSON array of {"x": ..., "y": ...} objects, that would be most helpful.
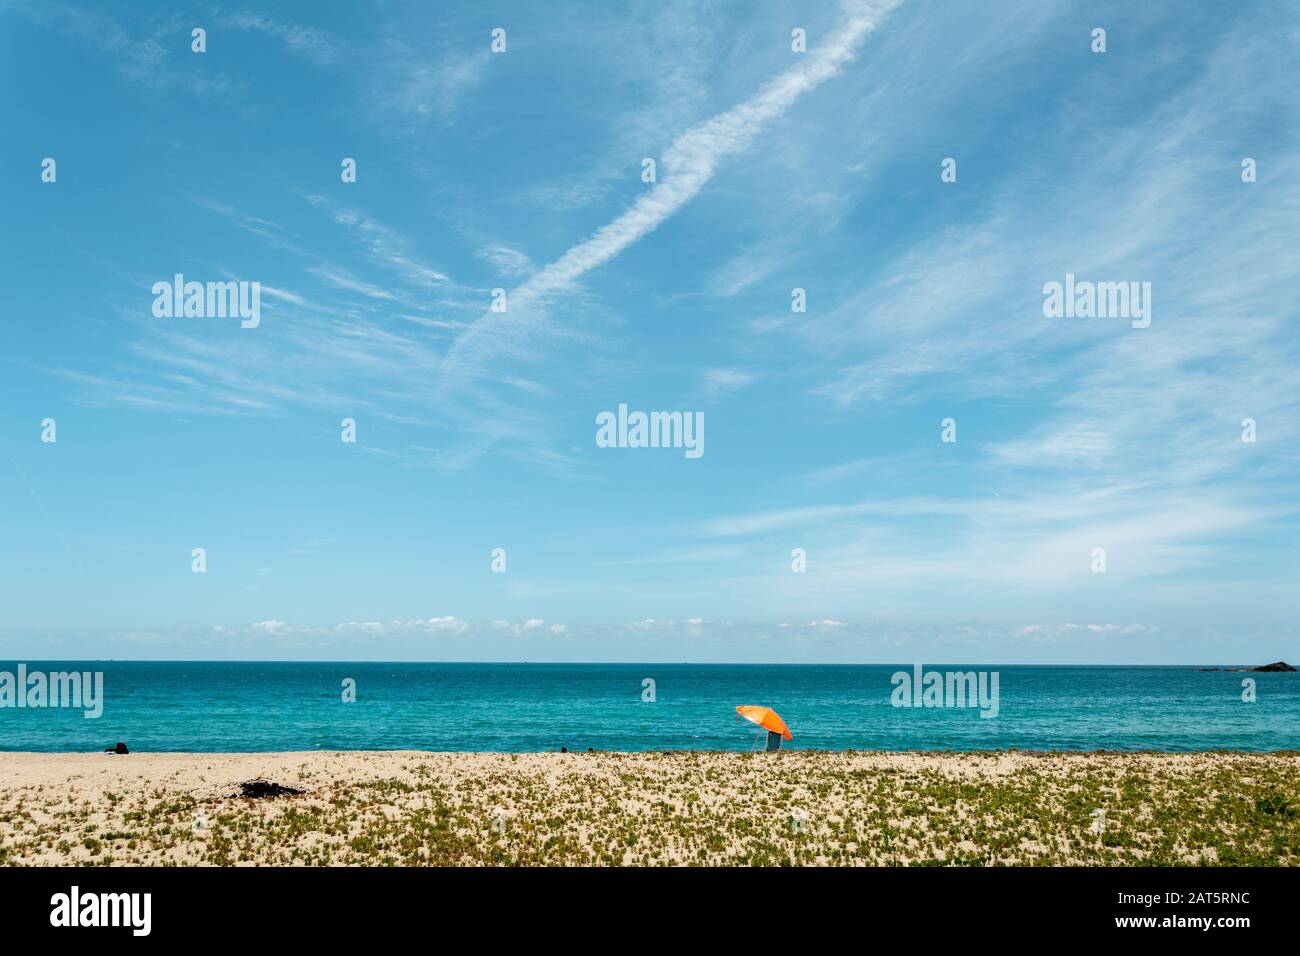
[
  {"x": 383, "y": 244},
  {"x": 719, "y": 381},
  {"x": 422, "y": 80},
  {"x": 305, "y": 41},
  {"x": 340, "y": 278},
  {"x": 148, "y": 54}
]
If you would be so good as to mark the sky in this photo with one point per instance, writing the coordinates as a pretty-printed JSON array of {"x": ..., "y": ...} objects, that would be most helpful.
[{"x": 1077, "y": 439}]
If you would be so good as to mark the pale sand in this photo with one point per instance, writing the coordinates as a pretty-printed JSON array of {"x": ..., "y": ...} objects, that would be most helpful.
[{"x": 412, "y": 808}]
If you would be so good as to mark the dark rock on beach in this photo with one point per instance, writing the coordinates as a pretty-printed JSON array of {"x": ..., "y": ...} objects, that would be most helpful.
[
  {"x": 119, "y": 748},
  {"x": 262, "y": 789}
]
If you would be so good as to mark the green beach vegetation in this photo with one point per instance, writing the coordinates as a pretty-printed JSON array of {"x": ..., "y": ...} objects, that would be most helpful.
[{"x": 677, "y": 808}]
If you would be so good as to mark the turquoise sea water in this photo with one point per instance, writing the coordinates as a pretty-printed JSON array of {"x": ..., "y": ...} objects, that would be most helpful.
[{"x": 528, "y": 707}]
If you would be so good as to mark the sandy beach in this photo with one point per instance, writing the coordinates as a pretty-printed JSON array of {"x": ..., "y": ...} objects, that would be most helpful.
[{"x": 809, "y": 808}]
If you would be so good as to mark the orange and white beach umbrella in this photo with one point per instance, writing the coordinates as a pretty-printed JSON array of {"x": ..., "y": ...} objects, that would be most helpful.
[{"x": 766, "y": 718}]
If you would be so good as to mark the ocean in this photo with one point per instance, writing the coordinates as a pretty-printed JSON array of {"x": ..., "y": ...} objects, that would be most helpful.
[{"x": 254, "y": 706}]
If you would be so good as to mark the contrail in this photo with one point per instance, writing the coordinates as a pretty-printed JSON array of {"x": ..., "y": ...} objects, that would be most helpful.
[
  {"x": 40, "y": 504},
  {"x": 690, "y": 163}
]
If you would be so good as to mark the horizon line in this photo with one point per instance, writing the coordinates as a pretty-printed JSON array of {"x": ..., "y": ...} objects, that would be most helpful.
[{"x": 151, "y": 660}]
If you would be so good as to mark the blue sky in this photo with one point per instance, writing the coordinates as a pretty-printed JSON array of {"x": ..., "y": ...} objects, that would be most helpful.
[{"x": 522, "y": 170}]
